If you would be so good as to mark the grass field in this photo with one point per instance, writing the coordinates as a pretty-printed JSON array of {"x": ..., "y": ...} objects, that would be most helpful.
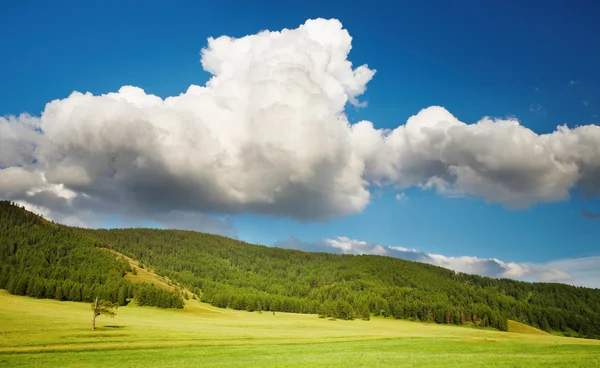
[{"x": 50, "y": 333}]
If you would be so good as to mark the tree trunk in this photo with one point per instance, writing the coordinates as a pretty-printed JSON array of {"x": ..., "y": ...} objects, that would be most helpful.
[{"x": 95, "y": 314}]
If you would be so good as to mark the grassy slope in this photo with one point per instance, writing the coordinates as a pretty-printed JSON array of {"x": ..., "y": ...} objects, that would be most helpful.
[
  {"x": 52, "y": 333},
  {"x": 518, "y": 327},
  {"x": 142, "y": 274}
]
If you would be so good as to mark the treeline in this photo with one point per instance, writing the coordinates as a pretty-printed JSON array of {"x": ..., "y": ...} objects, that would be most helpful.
[
  {"x": 44, "y": 260},
  {"x": 37, "y": 287},
  {"x": 146, "y": 294},
  {"x": 343, "y": 304},
  {"x": 234, "y": 274}
]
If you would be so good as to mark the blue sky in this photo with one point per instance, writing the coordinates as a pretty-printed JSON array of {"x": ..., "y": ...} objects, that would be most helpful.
[{"x": 536, "y": 62}]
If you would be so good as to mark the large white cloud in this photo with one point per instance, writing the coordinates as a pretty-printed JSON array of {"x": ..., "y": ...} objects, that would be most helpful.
[
  {"x": 499, "y": 160},
  {"x": 576, "y": 271},
  {"x": 268, "y": 134}
]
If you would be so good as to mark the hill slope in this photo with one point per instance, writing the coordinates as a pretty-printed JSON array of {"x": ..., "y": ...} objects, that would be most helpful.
[
  {"x": 45, "y": 260},
  {"x": 517, "y": 327},
  {"x": 234, "y": 274}
]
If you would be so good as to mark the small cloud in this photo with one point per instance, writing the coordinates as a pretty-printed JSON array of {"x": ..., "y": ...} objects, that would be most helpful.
[
  {"x": 590, "y": 215},
  {"x": 535, "y": 107},
  {"x": 401, "y": 197},
  {"x": 586, "y": 102},
  {"x": 536, "y": 88},
  {"x": 573, "y": 82},
  {"x": 352, "y": 246}
]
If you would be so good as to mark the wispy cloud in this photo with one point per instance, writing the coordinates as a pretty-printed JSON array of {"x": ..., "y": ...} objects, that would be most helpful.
[
  {"x": 401, "y": 197},
  {"x": 586, "y": 102},
  {"x": 535, "y": 107},
  {"x": 590, "y": 215},
  {"x": 573, "y": 82},
  {"x": 576, "y": 271}
]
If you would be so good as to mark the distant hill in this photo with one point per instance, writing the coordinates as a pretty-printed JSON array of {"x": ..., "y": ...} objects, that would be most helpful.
[{"x": 231, "y": 273}]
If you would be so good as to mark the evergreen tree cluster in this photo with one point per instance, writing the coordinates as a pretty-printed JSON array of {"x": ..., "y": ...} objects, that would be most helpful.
[
  {"x": 146, "y": 294},
  {"x": 45, "y": 260}
]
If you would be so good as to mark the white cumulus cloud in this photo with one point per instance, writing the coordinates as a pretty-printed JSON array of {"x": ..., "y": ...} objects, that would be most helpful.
[
  {"x": 267, "y": 134},
  {"x": 350, "y": 246}
]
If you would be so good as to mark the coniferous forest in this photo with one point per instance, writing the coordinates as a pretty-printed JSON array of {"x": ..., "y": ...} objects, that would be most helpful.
[{"x": 45, "y": 260}]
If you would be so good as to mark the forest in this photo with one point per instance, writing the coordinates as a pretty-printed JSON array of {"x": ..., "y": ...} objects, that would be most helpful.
[
  {"x": 45, "y": 260},
  {"x": 231, "y": 273}
]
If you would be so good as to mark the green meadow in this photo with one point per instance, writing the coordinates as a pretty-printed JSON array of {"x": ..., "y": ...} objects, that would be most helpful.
[{"x": 49, "y": 333}]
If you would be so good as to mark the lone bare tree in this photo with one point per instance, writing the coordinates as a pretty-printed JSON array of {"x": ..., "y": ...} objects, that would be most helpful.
[{"x": 103, "y": 307}]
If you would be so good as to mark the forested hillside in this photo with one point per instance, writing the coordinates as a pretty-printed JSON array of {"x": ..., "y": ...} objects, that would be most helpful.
[
  {"x": 46, "y": 260},
  {"x": 230, "y": 273}
]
